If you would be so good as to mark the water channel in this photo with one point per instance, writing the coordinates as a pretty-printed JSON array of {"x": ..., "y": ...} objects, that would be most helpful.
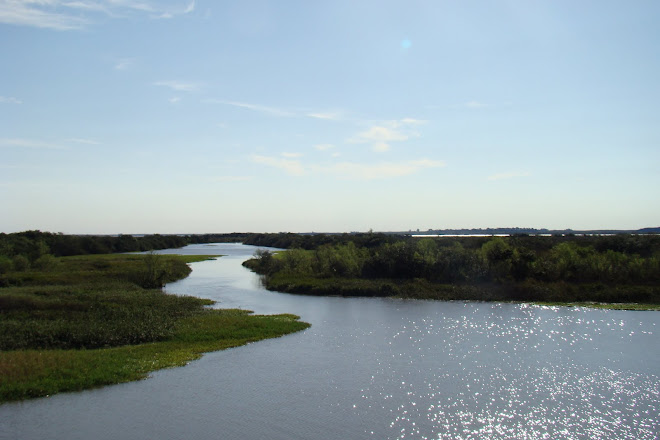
[{"x": 376, "y": 368}]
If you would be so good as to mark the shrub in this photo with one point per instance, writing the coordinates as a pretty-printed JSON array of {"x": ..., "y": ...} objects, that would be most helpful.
[
  {"x": 6, "y": 264},
  {"x": 21, "y": 263}
]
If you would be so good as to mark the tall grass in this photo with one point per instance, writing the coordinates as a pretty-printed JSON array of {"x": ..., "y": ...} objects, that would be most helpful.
[
  {"x": 87, "y": 322},
  {"x": 36, "y": 373}
]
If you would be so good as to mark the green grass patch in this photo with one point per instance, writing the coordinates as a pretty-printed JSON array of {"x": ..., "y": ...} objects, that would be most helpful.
[{"x": 87, "y": 321}]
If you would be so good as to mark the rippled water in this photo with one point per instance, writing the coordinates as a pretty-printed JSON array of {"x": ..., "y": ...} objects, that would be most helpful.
[{"x": 381, "y": 369}]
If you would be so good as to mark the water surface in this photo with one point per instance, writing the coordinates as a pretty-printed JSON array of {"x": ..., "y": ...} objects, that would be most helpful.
[{"x": 375, "y": 368}]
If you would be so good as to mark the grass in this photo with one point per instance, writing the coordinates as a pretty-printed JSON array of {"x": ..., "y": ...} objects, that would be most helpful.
[
  {"x": 37, "y": 373},
  {"x": 85, "y": 322}
]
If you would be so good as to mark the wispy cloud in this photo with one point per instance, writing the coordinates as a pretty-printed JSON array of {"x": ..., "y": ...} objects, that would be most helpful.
[
  {"x": 273, "y": 111},
  {"x": 67, "y": 15},
  {"x": 349, "y": 170},
  {"x": 324, "y": 147},
  {"x": 85, "y": 6},
  {"x": 383, "y": 133},
  {"x": 504, "y": 176},
  {"x": 380, "y": 133},
  {"x": 328, "y": 148},
  {"x": 174, "y": 12},
  {"x": 10, "y": 100},
  {"x": 29, "y": 143},
  {"x": 475, "y": 104},
  {"x": 124, "y": 64},
  {"x": 280, "y": 111},
  {"x": 42, "y": 14},
  {"x": 292, "y": 155},
  {"x": 83, "y": 141},
  {"x": 380, "y": 147},
  {"x": 291, "y": 167},
  {"x": 331, "y": 116},
  {"x": 180, "y": 86},
  {"x": 230, "y": 178},
  {"x": 383, "y": 170}
]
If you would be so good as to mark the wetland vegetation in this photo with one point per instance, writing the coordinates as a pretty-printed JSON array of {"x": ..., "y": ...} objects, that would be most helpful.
[{"x": 77, "y": 322}]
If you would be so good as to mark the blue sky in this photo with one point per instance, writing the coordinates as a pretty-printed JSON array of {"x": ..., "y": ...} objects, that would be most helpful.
[{"x": 122, "y": 116}]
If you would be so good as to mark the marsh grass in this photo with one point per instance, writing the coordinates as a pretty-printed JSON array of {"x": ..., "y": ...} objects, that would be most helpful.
[
  {"x": 37, "y": 373},
  {"x": 558, "y": 293},
  {"x": 86, "y": 322}
]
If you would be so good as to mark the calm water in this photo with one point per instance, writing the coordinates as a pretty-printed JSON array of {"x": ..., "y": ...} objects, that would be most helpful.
[{"x": 380, "y": 369}]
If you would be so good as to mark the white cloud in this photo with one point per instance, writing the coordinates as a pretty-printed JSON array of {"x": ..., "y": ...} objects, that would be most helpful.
[
  {"x": 124, "y": 64},
  {"x": 179, "y": 86},
  {"x": 383, "y": 133},
  {"x": 380, "y": 147},
  {"x": 291, "y": 167},
  {"x": 503, "y": 176},
  {"x": 332, "y": 116},
  {"x": 324, "y": 147},
  {"x": 292, "y": 155},
  {"x": 28, "y": 143},
  {"x": 10, "y": 100},
  {"x": 379, "y": 133},
  {"x": 174, "y": 99},
  {"x": 86, "y": 6},
  {"x": 412, "y": 121},
  {"x": 66, "y": 15}
]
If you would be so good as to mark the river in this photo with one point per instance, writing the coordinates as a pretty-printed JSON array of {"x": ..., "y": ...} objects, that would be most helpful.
[{"x": 379, "y": 368}]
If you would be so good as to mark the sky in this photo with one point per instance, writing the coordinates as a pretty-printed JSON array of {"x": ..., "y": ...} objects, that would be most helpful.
[{"x": 194, "y": 116}]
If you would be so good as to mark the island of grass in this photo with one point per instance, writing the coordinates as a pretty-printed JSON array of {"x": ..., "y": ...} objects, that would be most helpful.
[
  {"x": 79, "y": 322},
  {"x": 618, "y": 272}
]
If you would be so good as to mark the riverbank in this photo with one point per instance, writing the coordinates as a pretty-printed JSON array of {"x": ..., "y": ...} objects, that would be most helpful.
[{"x": 86, "y": 321}]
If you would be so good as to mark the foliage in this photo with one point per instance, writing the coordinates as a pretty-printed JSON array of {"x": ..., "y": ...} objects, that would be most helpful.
[
  {"x": 89, "y": 302},
  {"x": 512, "y": 268},
  {"x": 34, "y": 244}
]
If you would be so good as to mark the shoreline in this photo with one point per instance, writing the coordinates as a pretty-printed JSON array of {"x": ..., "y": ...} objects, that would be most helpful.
[{"x": 549, "y": 294}]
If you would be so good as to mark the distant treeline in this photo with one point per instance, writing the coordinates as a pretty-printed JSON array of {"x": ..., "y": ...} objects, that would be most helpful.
[
  {"x": 21, "y": 250},
  {"x": 36, "y": 249},
  {"x": 623, "y": 268},
  {"x": 529, "y": 231},
  {"x": 288, "y": 240}
]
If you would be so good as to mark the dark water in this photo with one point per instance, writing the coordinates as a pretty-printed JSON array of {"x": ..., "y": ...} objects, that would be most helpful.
[{"x": 380, "y": 369}]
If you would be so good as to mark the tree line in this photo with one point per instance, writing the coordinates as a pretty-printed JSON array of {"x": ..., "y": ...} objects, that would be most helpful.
[
  {"x": 602, "y": 263},
  {"x": 35, "y": 249}
]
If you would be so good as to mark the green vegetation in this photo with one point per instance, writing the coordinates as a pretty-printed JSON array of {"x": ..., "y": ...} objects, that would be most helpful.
[
  {"x": 617, "y": 270},
  {"x": 77, "y": 322}
]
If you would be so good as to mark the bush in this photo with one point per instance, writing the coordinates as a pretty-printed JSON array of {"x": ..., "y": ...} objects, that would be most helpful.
[
  {"x": 6, "y": 264},
  {"x": 45, "y": 262},
  {"x": 21, "y": 263}
]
